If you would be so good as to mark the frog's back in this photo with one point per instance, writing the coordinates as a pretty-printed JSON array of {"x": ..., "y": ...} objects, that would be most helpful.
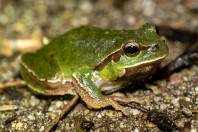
[{"x": 78, "y": 50}]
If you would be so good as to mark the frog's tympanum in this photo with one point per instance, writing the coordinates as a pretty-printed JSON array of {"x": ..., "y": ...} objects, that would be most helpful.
[{"x": 87, "y": 60}]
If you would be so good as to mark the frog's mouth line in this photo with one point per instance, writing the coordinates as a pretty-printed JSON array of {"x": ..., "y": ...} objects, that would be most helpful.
[
  {"x": 115, "y": 57},
  {"x": 150, "y": 62}
]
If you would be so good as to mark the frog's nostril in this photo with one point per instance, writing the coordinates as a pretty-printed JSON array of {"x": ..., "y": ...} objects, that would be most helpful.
[{"x": 153, "y": 47}]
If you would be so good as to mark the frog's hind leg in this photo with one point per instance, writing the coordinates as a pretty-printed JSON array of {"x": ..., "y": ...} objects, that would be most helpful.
[
  {"x": 44, "y": 87},
  {"x": 100, "y": 102},
  {"x": 94, "y": 98}
]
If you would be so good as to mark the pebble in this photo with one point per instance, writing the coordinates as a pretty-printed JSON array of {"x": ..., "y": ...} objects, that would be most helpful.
[
  {"x": 135, "y": 111},
  {"x": 193, "y": 130},
  {"x": 150, "y": 125},
  {"x": 131, "y": 20},
  {"x": 59, "y": 104},
  {"x": 67, "y": 126},
  {"x": 187, "y": 99},
  {"x": 19, "y": 126},
  {"x": 34, "y": 101},
  {"x": 41, "y": 129},
  {"x": 31, "y": 117},
  {"x": 196, "y": 89},
  {"x": 179, "y": 9},
  {"x": 186, "y": 111},
  {"x": 157, "y": 99},
  {"x": 99, "y": 116},
  {"x": 86, "y": 111},
  {"x": 86, "y": 7},
  {"x": 136, "y": 130},
  {"x": 163, "y": 106},
  {"x": 175, "y": 102},
  {"x": 52, "y": 115},
  {"x": 185, "y": 78},
  {"x": 148, "y": 7},
  {"x": 175, "y": 79},
  {"x": 110, "y": 113},
  {"x": 122, "y": 125}
]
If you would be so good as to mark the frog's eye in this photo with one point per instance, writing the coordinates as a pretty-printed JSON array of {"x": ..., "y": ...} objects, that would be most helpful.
[{"x": 131, "y": 49}]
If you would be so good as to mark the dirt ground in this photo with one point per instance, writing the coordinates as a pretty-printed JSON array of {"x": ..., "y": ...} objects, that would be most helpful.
[{"x": 33, "y": 22}]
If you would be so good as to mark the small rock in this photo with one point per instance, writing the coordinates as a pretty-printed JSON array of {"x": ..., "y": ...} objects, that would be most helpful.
[
  {"x": 196, "y": 89},
  {"x": 31, "y": 117},
  {"x": 163, "y": 106},
  {"x": 109, "y": 113},
  {"x": 59, "y": 104},
  {"x": 67, "y": 126},
  {"x": 175, "y": 102},
  {"x": 19, "y": 126},
  {"x": 41, "y": 129},
  {"x": 122, "y": 125},
  {"x": 186, "y": 111},
  {"x": 86, "y": 6},
  {"x": 136, "y": 130},
  {"x": 135, "y": 111},
  {"x": 157, "y": 99},
  {"x": 131, "y": 20},
  {"x": 99, "y": 116},
  {"x": 34, "y": 101}
]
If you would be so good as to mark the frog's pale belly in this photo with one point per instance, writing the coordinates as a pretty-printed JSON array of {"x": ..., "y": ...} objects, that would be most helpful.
[
  {"x": 140, "y": 72},
  {"x": 106, "y": 85}
]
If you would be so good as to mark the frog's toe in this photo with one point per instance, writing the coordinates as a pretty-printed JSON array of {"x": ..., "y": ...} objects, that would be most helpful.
[
  {"x": 112, "y": 102},
  {"x": 127, "y": 100}
]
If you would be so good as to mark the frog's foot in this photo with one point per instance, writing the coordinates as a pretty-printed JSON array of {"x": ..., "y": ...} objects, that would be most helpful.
[
  {"x": 127, "y": 100},
  {"x": 105, "y": 101},
  {"x": 110, "y": 101}
]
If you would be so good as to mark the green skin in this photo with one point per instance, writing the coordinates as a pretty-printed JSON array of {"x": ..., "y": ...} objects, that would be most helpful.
[{"x": 68, "y": 63}]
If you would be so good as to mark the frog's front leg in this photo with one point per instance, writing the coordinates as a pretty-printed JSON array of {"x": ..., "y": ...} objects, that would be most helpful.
[{"x": 92, "y": 96}]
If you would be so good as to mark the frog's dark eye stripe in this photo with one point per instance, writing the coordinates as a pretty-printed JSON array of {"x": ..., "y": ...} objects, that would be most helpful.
[
  {"x": 115, "y": 57},
  {"x": 131, "y": 49}
]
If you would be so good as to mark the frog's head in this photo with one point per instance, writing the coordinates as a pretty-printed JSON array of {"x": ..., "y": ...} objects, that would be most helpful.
[{"x": 138, "y": 57}]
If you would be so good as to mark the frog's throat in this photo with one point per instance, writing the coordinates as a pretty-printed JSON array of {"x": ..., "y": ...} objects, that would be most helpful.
[{"x": 141, "y": 71}]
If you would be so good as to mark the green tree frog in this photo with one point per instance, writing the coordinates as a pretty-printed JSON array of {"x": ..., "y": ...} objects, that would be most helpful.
[{"x": 87, "y": 60}]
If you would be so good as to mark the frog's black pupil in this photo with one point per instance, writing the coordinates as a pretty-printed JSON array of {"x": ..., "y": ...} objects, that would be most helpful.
[{"x": 132, "y": 49}]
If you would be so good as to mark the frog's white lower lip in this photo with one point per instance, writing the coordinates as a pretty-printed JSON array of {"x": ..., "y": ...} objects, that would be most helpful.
[
  {"x": 146, "y": 62},
  {"x": 141, "y": 71}
]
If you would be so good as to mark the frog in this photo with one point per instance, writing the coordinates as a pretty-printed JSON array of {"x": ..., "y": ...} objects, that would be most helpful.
[{"x": 88, "y": 60}]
